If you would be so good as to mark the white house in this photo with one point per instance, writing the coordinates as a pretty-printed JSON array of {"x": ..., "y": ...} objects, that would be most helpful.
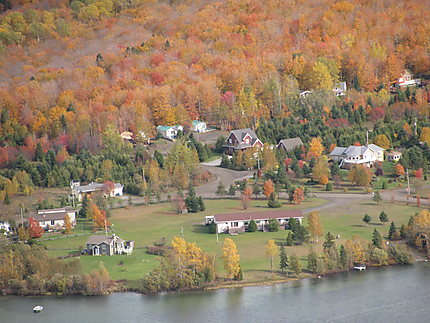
[
  {"x": 357, "y": 155},
  {"x": 407, "y": 79},
  {"x": 169, "y": 132},
  {"x": 238, "y": 222},
  {"x": 394, "y": 156},
  {"x": 54, "y": 218},
  {"x": 305, "y": 94},
  {"x": 4, "y": 227},
  {"x": 340, "y": 89},
  {"x": 289, "y": 144},
  {"x": 109, "y": 245},
  {"x": 79, "y": 191},
  {"x": 198, "y": 126}
]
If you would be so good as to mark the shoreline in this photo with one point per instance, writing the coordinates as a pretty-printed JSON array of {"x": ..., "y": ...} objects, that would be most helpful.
[{"x": 214, "y": 286}]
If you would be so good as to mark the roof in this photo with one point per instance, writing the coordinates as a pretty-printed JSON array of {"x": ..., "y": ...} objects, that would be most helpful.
[
  {"x": 393, "y": 153},
  {"x": 375, "y": 147},
  {"x": 197, "y": 122},
  {"x": 291, "y": 143},
  {"x": 94, "y": 187},
  {"x": 355, "y": 150},
  {"x": 62, "y": 209},
  {"x": 49, "y": 216},
  {"x": 165, "y": 128},
  {"x": 240, "y": 134},
  {"x": 126, "y": 135},
  {"x": 97, "y": 239},
  {"x": 341, "y": 86},
  {"x": 258, "y": 215},
  {"x": 338, "y": 151}
]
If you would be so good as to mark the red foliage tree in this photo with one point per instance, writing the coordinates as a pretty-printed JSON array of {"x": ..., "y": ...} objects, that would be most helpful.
[
  {"x": 419, "y": 173},
  {"x": 35, "y": 228}
]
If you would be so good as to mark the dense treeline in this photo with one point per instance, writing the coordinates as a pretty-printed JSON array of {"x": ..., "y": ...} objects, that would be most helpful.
[
  {"x": 27, "y": 270},
  {"x": 229, "y": 63}
]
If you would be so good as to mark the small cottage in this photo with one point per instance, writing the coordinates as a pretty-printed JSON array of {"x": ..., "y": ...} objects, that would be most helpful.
[
  {"x": 4, "y": 227},
  {"x": 394, "y": 156},
  {"x": 289, "y": 144},
  {"x": 169, "y": 132},
  {"x": 198, "y": 126},
  {"x": 98, "y": 245},
  {"x": 340, "y": 89}
]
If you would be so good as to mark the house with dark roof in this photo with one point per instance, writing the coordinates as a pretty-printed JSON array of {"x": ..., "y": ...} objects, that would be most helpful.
[
  {"x": 238, "y": 222},
  {"x": 98, "y": 245},
  {"x": 357, "y": 155},
  {"x": 53, "y": 219},
  {"x": 289, "y": 144},
  {"x": 79, "y": 191},
  {"x": 241, "y": 139}
]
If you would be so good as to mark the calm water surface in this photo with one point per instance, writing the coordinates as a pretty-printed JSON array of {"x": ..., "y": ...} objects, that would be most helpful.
[{"x": 395, "y": 294}]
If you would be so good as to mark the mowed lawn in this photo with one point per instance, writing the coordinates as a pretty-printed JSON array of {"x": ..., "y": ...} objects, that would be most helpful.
[{"x": 148, "y": 224}]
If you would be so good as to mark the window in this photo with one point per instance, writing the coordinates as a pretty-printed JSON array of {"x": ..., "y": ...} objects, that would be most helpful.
[
  {"x": 52, "y": 222},
  {"x": 235, "y": 224}
]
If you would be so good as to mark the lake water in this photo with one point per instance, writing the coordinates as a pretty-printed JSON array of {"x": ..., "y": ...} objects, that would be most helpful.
[{"x": 390, "y": 294}]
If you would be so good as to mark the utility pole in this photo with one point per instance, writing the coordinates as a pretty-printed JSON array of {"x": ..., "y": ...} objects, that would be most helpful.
[
  {"x": 415, "y": 126},
  {"x": 217, "y": 241},
  {"x": 182, "y": 232},
  {"x": 105, "y": 228}
]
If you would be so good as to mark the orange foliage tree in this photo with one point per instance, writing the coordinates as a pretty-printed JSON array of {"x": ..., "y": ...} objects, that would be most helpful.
[{"x": 268, "y": 188}]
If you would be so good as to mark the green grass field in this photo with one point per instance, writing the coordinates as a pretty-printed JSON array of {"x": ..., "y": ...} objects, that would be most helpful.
[{"x": 146, "y": 224}]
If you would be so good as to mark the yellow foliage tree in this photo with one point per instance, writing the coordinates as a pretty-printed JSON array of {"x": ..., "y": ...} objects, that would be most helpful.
[
  {"x": 316, "y": 148},
  {"x": 425, "y": 135},
  {"x": 355, "y": 248},
  {"x": 271, "y": 251},
  {"x": 314, "y": 226},
  {"x": 269, "y": 158},
  {"x": 231, "y": 258},
  {"x": 67, "y": 224},
  {"x": 382, "y": 141},
  {"x": 321, "y": 171}
]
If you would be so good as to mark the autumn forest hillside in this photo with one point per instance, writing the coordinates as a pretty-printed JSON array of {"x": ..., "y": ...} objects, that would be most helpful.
[{"x": 71, "y": 68}]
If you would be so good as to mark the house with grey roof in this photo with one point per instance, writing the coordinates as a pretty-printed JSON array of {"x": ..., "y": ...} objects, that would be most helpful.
[
  {"x": 241, "y": 139},
  {"x": 78, "y": 190},
  {"x": 98, "y": 245},
  {"x": 357, "y": 155},
  {"x": 53, "y": 219},
  {"x": 289, "y": 144}
]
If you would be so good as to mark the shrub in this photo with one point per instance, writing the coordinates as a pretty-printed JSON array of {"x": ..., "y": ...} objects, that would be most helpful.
[
  {"x": 273, "y": 202},
  {"x": 273, "y": 225},
  {"x": 329, "y": 187},
  {"x": 400, "y": 254},
  {"x": 252, "y": 227},
  {"x": 212, "y": 227}
]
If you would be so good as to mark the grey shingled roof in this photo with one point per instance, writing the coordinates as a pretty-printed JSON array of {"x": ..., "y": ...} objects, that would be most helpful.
[
  {"x": 240, "y": 135},
  {"x": 291, "y": 143},
  {"x": 97, "y": 239}
]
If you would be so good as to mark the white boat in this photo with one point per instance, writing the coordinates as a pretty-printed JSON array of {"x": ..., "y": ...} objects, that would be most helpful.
[
  {"x": 360, "y": 267},
  {"x": 37, "y": 309}
]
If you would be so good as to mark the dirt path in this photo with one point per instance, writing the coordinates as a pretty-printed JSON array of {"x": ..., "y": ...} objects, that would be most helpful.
[{"x": 227, "y": 176}]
